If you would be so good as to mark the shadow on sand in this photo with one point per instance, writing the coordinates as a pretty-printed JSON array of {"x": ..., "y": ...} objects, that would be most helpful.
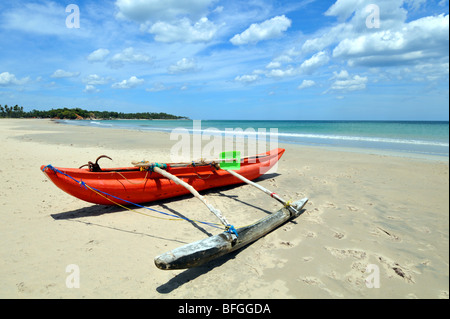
[
  {"x": 189, "y": 274},
  {"x": 193, "y": 273}
]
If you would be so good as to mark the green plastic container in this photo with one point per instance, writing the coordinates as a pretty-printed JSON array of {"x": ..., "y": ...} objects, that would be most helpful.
[{"x": 235, "y": 164}]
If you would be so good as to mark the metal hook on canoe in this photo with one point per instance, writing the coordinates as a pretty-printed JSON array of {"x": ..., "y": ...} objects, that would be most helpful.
[{"x": 95, "y": 167}]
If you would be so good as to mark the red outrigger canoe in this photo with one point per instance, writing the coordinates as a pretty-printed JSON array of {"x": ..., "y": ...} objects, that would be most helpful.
[{"x": 132, "y": 185}]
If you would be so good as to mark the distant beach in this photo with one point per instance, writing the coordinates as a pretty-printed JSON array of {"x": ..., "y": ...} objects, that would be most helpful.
[{"x": 375, "y": 226}]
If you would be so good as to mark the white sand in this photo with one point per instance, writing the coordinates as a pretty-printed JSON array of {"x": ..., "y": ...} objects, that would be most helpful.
[{"x": 365, "y": 209}]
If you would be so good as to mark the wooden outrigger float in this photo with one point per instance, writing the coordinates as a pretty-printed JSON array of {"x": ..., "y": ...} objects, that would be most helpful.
[{"x": 202, "y": 251}]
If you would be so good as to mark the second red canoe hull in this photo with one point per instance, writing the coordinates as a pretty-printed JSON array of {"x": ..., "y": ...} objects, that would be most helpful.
[{"x": 129, "y": 185}]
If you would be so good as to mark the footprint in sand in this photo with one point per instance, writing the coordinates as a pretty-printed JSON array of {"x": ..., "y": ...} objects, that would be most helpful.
[
  {"x": 299, "y": 172},
  {"x": 329, "y": 205},
  {"x": 396, "y": 269},
  {"x": 273, "y": 182},
  {"x": 287, "y": 244},
  {"x": 390, "y": 234},
  {"x": 424, "y": 229},
  {"x": 91, "y": 243},
  {"x": 300, "y": 194},
  {"x": 443, "y": 294},
  {"x": 344, "y": 253},
  {"x": 393, "y": 218},
  {"x": 311, "y": 234},
  {"x": 313, "y": 281},
  {"x": 338, "y": 235},
  {"x": 21, "y": 287},
  {"x": 287, "y": 227}
]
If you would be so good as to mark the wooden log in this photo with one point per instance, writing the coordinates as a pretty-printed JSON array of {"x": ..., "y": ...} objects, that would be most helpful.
[{"x": 202, "y": 251}]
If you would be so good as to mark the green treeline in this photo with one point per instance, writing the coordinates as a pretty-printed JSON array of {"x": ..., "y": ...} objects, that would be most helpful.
[{"x": 77, "y": 113}]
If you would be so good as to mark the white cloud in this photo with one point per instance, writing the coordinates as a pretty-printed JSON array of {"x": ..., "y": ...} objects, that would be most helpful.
[
  {"x": 327, "y": 38},
  {"x": 397, "y": 42},
  {"x": 352, "y": 84},
  {"x": 352, "y": 14},
  {"x": 94, "y": 79},
  {"x": 400, "y": 46},
  {"x": 285, "y": 57},
  {"x": 90, "y": 89},
  {"x": 59, "y": 74},
  {"x": 158, "y": 87},
  {"x": 345, "y": 82},
  {"x": 129, "y": 55},
  {"x": 269, "y": 29},
  {"x": 306, "y": 84},
  {"x": 392, "y": 13},
  {"x": 183, "y": 31},
  {"x": 288, "y": 55},
  {"x": 317, "y": 60},
  {"x": 47, "y": 18},
  {"x": 183, "y": 65},
  {"x": 415, "y": 4},
  {"x": 219, "y": 9},
  {"x": 132, "y": 82},
  {"x": 343, "y": 9},
  {"x": 162, "y": 10},
  {"x": 308, "y": 66},
  {"x": 431, "y": 71},
  {"x": 248, "y": 78},
  {"x": 341, "y": 75},
  {"x": 273, "y": 65},
  {"x": 7, "y": 79},
  {"x": 279, "y": 73},
  {"x": 98, "y": 55},
  {"x": 171, "y": 20}
]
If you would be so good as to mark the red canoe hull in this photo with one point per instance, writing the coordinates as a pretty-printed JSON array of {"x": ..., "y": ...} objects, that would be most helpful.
[{"x": 130, "y": 185}]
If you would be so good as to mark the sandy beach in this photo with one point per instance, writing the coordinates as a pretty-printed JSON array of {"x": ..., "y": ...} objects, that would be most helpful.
[{"x": 389, "y": 213}]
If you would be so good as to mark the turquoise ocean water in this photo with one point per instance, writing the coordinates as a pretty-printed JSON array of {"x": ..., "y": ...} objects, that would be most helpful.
[{"x": 418, "y": 137}]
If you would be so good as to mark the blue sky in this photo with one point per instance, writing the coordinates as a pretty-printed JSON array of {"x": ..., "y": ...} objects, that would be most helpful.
[{"x": 214, "y": 59}]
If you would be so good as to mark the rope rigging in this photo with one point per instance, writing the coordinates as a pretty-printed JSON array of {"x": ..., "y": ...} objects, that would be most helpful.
[{"x": 108, "y": 196}]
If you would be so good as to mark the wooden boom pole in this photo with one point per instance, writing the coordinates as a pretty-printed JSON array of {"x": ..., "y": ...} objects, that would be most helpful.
[
  {"x": 213, "y": 210},
  {"x": 265, "y": 190}
]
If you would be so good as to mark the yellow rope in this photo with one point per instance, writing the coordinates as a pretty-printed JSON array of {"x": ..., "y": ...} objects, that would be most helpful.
[
  {"x": 137, "y": 212},
  {"x": 288, "y": 203},
  {"x": 145, "y": 178},
  {"x": 132, "y": 210}
]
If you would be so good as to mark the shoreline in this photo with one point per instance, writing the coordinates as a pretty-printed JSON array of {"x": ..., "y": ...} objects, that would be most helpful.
[
  {"x": 338, "y": 148},
  {"x": 364, "y": 209}
]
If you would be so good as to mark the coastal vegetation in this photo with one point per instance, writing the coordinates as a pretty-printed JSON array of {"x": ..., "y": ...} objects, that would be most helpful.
[{"x": 80, "y": 114}]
